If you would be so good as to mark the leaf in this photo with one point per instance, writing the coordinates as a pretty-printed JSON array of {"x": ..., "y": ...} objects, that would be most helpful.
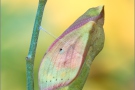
[{"x": 67, "y": 61}]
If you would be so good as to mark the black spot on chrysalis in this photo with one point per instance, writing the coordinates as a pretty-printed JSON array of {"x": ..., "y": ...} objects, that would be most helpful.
[{"x": 60, "y": 49}]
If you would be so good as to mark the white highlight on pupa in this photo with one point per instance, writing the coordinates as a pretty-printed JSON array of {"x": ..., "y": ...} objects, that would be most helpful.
[{"x": 41, "y": 28}]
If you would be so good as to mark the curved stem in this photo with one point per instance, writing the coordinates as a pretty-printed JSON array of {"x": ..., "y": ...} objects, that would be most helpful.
[{"x": 33, "y": 45}]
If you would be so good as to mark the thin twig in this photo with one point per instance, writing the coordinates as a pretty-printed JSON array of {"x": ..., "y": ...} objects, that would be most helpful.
[{"x": 32, "y": 49}]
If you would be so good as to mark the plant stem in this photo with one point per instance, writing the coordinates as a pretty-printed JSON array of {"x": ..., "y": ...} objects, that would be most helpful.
[{"x": 33, "y": 45}]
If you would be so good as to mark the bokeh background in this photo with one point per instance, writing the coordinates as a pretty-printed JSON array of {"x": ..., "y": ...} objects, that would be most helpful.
[{"x": 112, "y": 69}]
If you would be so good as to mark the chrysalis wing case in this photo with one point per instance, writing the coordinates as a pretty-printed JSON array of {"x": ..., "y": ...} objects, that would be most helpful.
[{"x": 64, "y": 60}]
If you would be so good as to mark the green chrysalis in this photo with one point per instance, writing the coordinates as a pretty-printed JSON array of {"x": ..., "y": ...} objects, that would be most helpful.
[{"x": 68, "y": 59}]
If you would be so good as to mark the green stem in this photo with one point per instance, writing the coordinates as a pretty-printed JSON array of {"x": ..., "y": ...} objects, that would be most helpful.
[{"x": 33, "y": 45}]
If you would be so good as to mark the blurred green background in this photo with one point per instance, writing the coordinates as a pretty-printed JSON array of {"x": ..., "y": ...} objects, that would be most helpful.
[{"x": 112, "y": 69}]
